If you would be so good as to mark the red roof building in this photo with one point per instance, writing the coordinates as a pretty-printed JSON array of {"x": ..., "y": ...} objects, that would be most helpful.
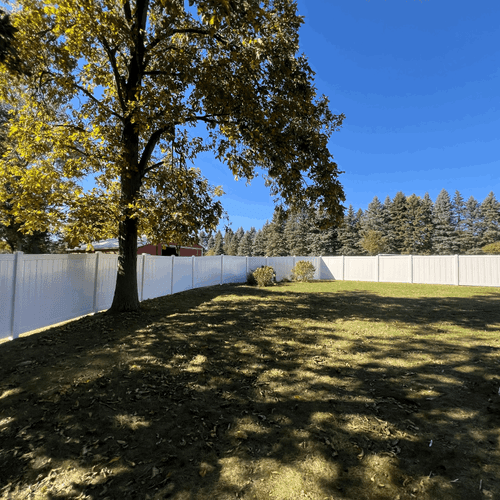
[{"x": 111, "y": 246}]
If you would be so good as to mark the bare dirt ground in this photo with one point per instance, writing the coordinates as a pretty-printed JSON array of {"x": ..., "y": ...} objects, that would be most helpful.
[{"x": 318, "y": 391}]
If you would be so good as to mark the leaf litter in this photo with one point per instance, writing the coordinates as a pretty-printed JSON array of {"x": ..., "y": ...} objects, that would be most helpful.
[{"x": 243, "y": 394}]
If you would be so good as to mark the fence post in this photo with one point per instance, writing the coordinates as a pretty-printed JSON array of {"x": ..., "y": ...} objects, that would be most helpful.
[
  {"x": 16, "y": 293},
  {"x": 246, "y": 268},
  {"x": 192, "y": 271},
  {"x": 222, "y": 269},
  {"x": 411, "y": 268},
  {"x": 96, "y": 276},
  {"x": 343, "y": 267},
  {"x": 142, "y": 278},
  {"x": 457, "y": 270},
  {"x": 378, "y": 268},
  {"x": 172, "y": 277}
]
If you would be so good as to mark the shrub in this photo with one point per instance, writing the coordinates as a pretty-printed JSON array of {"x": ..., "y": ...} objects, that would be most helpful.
[
  {"x": 265, "y": 276},
  {"x": 303, "y": 271},
  {"x": 251, "y": 279}
]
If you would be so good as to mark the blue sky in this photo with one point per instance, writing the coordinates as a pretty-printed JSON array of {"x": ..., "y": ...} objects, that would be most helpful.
[{"x": 419, "y": 83}]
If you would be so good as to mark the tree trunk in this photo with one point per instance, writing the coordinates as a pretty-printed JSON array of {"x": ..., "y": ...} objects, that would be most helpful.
[{"x": 126, "y": 297}]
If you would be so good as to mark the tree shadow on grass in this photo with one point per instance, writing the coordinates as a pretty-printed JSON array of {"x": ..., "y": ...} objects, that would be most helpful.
[{"x": 239, "y": 392}]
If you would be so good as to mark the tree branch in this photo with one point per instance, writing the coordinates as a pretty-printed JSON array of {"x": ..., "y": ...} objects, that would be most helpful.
[
  {"x": 99, "y": 103},
  {"x": 149, "y": 148},
  {"x": 118, "y": 79}
]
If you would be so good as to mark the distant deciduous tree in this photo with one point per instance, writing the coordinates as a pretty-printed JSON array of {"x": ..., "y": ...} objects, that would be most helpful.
[{"x": 374, "y": 242}]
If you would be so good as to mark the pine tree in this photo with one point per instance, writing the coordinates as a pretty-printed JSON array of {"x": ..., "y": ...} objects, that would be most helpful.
[
  {"x": 426, "y": 226},
  {"x": 490, "y": 220},
  {"x": 348, "y": 235},
  {"x": 260, "y": 241},
  {"x": 322, "y": 241},
  {"x": 375, "y": 217},
  {"x": 218, "y": 248},
  {"x": 203, "y": 240},
  {"x": 276, "y": 243},
  {"x": 210, "y": 244},
  {"x": 360, "y": 215},
  {"x": 397, "y": 223},
  {"x": 412, "y": 243},
  {"x": 469, "y": 237},
  {"x": 235, "y": 242},
  {"x": 245, "y": 246},
  {"x": 228, "y": 237},
  {"x": 296, "y": 233},
  {"x": 458, "y": 216},
  {"x": 444, "y": 237}
]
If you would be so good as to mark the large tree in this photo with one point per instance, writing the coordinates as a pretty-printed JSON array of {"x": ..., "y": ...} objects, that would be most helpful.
[{"x": 135, "y": 78}]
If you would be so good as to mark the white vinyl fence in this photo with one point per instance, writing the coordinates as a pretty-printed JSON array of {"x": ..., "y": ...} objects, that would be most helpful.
[{"x": 40, "y": 290}]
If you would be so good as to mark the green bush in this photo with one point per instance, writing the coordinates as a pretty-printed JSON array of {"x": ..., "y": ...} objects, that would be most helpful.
[
  {"x": 303, "y": 271},
  {"x": 265, "y": 276}
]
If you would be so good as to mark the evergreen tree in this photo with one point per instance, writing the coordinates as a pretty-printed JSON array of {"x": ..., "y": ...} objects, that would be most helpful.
[
  {"x": 469, "y": 237},
  {"x": 490, "y": 220},
  {"x": 235, "y": 242},
  {"x": 210, "y": 244},
  {"x": 218, "y": 248},
  {"x": 276, "y": 243},
  {"x": 444, "y": 237},
  {"x": 426, "y": 225},
  {"x": 360, "y": 215},
  {"x": 375, "y": 217},
  {"x": 296, "y": 233},
  {"x": 203, "y": 240},
  {"x": 228, "y": 237},
  {"x": 348, "y": 235},
  {"x": 458, "y": 216},
  {"x": 245, "y": 245},
  {"x": 322, "y": 241},
  {"x": 397, "y": 211},
  {"x": 412, "y": 243},
  {"x": 260, "y": 241}
]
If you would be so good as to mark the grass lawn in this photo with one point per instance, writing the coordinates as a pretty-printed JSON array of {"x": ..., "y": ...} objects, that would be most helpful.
[{"x": 325, "y": 390}]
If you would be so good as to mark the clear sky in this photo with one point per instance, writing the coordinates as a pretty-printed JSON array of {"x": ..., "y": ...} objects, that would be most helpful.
[{"x": 419, "y": 83}]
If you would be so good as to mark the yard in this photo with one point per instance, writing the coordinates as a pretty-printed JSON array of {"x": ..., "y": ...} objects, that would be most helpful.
[{"x": 327, "y": 390}]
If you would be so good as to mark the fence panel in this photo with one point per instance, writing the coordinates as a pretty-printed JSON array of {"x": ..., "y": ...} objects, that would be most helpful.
[
  {"x": 207, "y": 271},
  {"x": 479, "y": 270},
  {"x": 157, "y": 277},
  {"x": 7, "y": 272},
  {"x": 315, "y": 261},
  {"x": 282, "y": 266},
  {"x": 106, "y": 281},
  {"x": 234, "y": 270},
  {"x": 54, "y": 288},
  {"x": 395, "y": 268},
  {"x": 255, "y": 262},
  {"x": 331, "y": 268},
  {"x": 360, "y": 268},
  {"x": 434, "y": 269},
  {"x": 183, "y": 277}
]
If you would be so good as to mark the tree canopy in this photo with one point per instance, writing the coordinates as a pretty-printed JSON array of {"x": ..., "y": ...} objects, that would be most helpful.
[{"x": 115, "y": 92}]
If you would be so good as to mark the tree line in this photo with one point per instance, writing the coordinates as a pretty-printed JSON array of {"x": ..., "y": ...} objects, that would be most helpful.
[{"x": 401, "y": 225}]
